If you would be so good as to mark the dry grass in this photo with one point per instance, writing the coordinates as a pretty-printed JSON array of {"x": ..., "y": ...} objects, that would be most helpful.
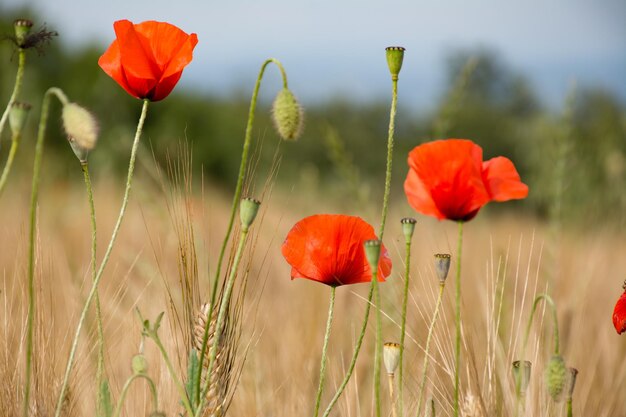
[{"x": 506, "y": 262}]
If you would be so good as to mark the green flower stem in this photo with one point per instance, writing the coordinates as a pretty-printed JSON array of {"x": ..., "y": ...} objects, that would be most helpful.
[
  {"x": 431, "y": 327},
  {"x": 39, "y": 147},
  {"x": 379, "y": 345},
  {"x": 107, "y": 254},
  {"x": 570, "y": 412},
  {"x": 120, "y": 403},
  {"x": 221, "y": 318},
  {"x": 19, "y": 77},
  {"x": 15, "y": 142},
  {"x": 355, "y": 355},
  {"x": 457, "y": 350},
  {"x": 242, "y": 173},
  {"x": 392, "y": 128},
  {"x": 405, "y": 300},
  {"x": 92, "y": 214},
  {"x": 320, "y": 388}
]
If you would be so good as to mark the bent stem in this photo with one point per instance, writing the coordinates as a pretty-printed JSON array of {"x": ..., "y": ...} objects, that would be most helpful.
[
  {"x": 405, "y": 299},
  {"x": 320, "y": 388},
  {"x": 92, "y": 215},
  {"x": 107, "y": 254},
  {"x": 457, "y": 350},
  {"x": 155, "y": 398},
  {"x": 39, "y": 147},
  {"x": 7, "y": 168},
  {"x": 19, "y": 77},
  {"x": 431, "y": 327}
]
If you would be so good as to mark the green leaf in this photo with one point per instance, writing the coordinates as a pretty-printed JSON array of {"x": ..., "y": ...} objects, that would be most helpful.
[
  {"x": 193, "y": 373},
  {"x": 157, "y": 323}
]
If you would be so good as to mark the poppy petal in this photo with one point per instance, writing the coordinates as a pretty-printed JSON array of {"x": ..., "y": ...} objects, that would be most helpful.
[
  {"x": 619, "y": 314},
  {"x": 138, "y": 63},
  {"x": 502, "y": 180},
  {"x": 419, "y": 197},
  {"x": 111, "y": 64}
]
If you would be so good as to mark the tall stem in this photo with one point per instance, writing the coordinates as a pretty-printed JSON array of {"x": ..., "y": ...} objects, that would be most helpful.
[
  {"x": 320, "y": 388},
  {"x": 7, "y": 168},
  {"x": 457, "y": 350},
  {"x": 378, "y": 347},
  {"x": 107, "y": 254},
  {"x": 39, "y": 147},
  {"x": 16, "y": 88},
  {"x": 431, "y": 328},
  {"x": 392, "y": 129},
  {"x": 92, "y": 215},
  {"x": 405, "y": 300}
]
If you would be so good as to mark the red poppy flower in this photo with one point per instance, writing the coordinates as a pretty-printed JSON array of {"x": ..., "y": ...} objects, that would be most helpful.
[
  {"x": 147, "y": 59},
  {"x": 448, "y": 179},
  {"x": 619, "y": 314},
  {"x": 329, "y": 248}
]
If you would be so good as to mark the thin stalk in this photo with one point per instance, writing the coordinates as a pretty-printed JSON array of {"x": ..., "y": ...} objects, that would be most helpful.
[
  {"x": 355, "y": 356},
  {"x": 221, "y": 317},
  {"x": 19, "y": 77},
  {"x": 457, "y": 350},
  {"x": 15, "y": 142},
  {"x": 92, "y": 215},
  {"x": 405, "y": 300},
  {"x": 39, "y": 147},
  {"x": 120, "y": 403},
  {"x": 320, "y": 388},
  {"x": 391, "y": 381},
  {"x": 570, "y": 412},
  {"x": 107, "y": 254},
  {"x": 378, "y": 347},
  {"x": 431, "y": 328}
]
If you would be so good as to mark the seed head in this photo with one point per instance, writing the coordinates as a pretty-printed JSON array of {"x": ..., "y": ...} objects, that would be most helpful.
[
  {"x": 521, "y": 374},
  {"x": 395, "y": 56},
  {"x": 372, "y": 253},
  {"x": 408, "y": 228},
  {"x": 556, "y": 377},
  {"x": 22, "y": 29},
  {"x": 248, "y": 211},
  {"x": 442, "y": 266},
  {"x": 391, "y": 356},
  {"x": 17, "y": 117},
  {"x": 287, "y": 115}
]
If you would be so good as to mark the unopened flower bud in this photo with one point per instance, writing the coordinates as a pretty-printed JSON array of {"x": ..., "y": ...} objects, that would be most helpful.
[
  {"x": 521, "y": 375},
  {"x": 571, "y": 381},
  {"x": 408, "y": 228},
  {"x": 287, "y": 115},
  {"x": 442, "y": 266},
  {"x": 81, "y": 128},
  {"x": 395, "y": 56},
  {"x": 391, "y": 356},
  {"x": 22, "y": 29},
  {"x": 372, "y": 253},
  {"x": 556, "y": 377},
  {"x": 139, "y": 364},
  {"x": 17, "y": 117},
  {"x": 248, "y": 211}
]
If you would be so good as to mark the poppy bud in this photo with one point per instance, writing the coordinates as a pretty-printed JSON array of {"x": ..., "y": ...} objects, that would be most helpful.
[
  {"x": 391, "y": 356},
  {"x": 81, "y": 128},
  {"x": 571, "y": 381},
  {"x": 17, "y": 117},
  {"x": 287, "y": 115},
  {"x": 248, "y": 211},
  {"x": 556, "y": 377},
  {"x": 139, "y": 364},
  {"x": 395, "y": 56},
  {"x": 408, "y": 227},
  {"x": 442, "y": 266},
  {"x": 372, "y": 253},
  {"x": 521, "y": 374},
  {"x": 22, "y": 29}
]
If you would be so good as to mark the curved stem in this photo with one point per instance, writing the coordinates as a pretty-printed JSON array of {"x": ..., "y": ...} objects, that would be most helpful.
[
  {"x": 16, "y": 88},
  {"x": 457, "y": 350},
  {"x": 392, "y": 128},
  {"x": 94, "y": 287},
  {"x": 378, "y": 347},
  {"x": 155, "y": 398},
  {"x": 355, "y": 355},
  {"x": 431, "y": 327},
  {"x": 405, "y": 299},
  {"x": 221, "y": 317},
  {"x": 92, "y": 215},
  {"x": 547, "y": 299},
  {"x": 320, "y": 388},
  {"x": 7, "y": 168}
]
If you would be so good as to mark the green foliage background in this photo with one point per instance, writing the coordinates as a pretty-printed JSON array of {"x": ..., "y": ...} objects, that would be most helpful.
[{"x": 574, "y": 159}]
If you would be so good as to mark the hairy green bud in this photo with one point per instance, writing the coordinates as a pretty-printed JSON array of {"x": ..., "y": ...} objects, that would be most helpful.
[{"x": 287, "y": 115}]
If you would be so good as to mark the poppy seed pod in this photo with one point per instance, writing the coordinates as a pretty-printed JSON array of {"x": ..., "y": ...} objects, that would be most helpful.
[
  {"x": 139, "y": 364},
  {"x": 556, "y": 377},
  {"x": 572, "y": 373},
  {"x": 442, "y": 266},
  {"x": 287, "y": 115},
  {"x": 391, "y": 356},
  {"x": 17, "y": 117},
  {"x": 521, "y": 374},
  {"x": 372, "y": 252},
  {"x": 395, "y": 56},
  {"x": 248, "y": 211},
  {"x": 408, "y": 228},
  {"x": 22, "y": 30}
]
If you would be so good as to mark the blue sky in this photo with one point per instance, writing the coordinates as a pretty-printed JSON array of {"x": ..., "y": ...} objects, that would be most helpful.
[{"x": 332, "y": 48}]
